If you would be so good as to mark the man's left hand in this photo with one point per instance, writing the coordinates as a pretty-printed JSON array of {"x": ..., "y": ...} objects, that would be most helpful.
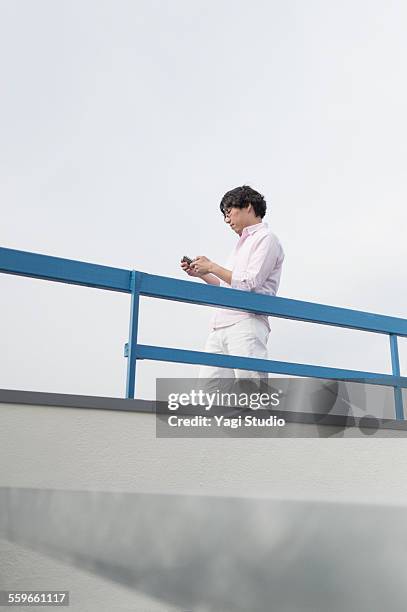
[{"x": 202, "y": 265}]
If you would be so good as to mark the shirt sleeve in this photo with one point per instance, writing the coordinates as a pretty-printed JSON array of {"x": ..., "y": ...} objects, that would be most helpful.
[{"x": 263, "y": 259}]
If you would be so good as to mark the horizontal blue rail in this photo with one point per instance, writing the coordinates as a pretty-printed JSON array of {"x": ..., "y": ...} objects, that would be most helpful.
[
  {"x": 179, "y": 290},
  {"x": 138, "y": 284},
  {"x": 160, "y": 353},
  {"x": 74, "y": 272},
  {"x": 61, "y": 270}
]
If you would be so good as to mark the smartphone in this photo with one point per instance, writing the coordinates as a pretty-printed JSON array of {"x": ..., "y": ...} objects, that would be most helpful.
[{"x": 187, "y": 259}]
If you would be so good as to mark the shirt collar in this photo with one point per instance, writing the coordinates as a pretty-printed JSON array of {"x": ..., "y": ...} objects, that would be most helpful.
[{"x": 251, "y": 229}]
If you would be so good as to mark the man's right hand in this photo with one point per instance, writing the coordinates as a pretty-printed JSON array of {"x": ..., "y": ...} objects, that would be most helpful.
[{"x": 185, "y": 266}]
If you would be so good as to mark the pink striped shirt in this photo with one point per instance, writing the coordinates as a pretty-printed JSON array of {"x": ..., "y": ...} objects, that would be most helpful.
[{"x": 256, "y": 266}]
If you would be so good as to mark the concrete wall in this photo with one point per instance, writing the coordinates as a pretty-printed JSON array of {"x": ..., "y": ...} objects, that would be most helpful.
[{"x": 73, "y": 462}]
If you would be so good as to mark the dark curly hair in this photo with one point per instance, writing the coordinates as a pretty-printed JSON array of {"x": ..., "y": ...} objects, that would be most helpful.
[{"x": 241, "y": 197}]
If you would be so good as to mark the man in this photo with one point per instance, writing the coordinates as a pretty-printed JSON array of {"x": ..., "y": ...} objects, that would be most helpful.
[{"x": 255, "y": 265}]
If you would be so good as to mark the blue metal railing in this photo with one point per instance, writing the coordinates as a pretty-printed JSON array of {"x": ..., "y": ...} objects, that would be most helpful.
[{"x": 141, "y": 284}]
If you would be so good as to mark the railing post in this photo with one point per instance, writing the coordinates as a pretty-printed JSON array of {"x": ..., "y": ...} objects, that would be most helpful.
[
  {"x": 133, "y": 328},
  {"x": 395, "y": 365}
]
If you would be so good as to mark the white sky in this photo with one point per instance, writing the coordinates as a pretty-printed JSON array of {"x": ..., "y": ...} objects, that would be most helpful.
[{"x": 122, "y": 125}]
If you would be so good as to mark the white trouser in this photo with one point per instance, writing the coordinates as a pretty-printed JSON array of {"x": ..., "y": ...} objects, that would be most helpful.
[{"x": 246, "y": 338}]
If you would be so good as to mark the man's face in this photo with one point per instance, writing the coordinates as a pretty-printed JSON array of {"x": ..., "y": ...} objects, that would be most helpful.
[{"x": 237, "y": 218}]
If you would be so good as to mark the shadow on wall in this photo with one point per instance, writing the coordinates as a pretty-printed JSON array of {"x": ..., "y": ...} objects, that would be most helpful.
[{"x": 221, "y": 554}]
